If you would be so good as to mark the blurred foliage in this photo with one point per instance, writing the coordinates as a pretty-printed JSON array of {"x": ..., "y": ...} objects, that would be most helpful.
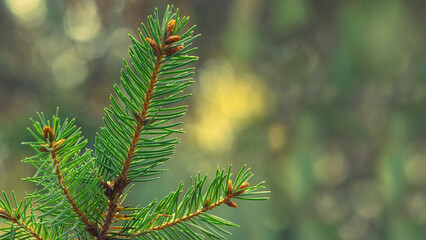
[{"x": 322, "y": 98}]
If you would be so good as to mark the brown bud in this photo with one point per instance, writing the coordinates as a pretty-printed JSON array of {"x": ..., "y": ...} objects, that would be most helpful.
[
  {"x": 231, "y": 204},
  {"x": 5, "y": 215},
  {"x": 59, "y": 142},
  {"x": 48, "y": 133},
  {"x": 172, "y": 50},
  {"x": 172, "y": 39},
  {"x": 229, "y": 187},
  {"x": 171, "y": 27},
  {"x": 153, "y": 45},
  {"x": 206, "y": 205},
  {"x": 18, "y": 214},
  {"x": 243, "y": 187}
]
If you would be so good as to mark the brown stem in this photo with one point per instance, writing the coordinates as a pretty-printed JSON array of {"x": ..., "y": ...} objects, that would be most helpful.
[
  {"x": 90, "y": 227},
  {"x": 121, "y": 181}
]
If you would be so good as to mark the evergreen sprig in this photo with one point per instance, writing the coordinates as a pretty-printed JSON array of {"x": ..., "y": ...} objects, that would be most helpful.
[{"x": 80, "y": 192}]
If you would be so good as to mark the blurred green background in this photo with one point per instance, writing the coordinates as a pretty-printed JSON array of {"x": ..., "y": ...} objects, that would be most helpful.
[{"x": 323, "y": 99}]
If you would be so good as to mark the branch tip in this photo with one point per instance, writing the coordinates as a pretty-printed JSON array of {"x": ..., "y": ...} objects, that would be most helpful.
[
  {"x": 59, "y": 143},
  {"x": 172, "y": 39},
  {"x": 172, "y": 50},
  {"x": 206, "y": 205},
  {"x": 242, "y": 188},
  {"x": 231, "y": 204},
  {"x": 154, "y": 46},
  {"x": 171, "y": 27},
  {"x": 48, "y": 133},
  {"x": 230, "y": 187}
]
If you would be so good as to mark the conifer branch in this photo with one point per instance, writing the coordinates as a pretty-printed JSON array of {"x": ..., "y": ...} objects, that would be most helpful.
[
  {"x": 80, "y": 194},
  {"x": 121, "y": 182},
  {"x": 191, "y": 211},
  {"x": 49, "y": 136},
  {"x": 207, "y": 207},
  {"x": 5, "y": 215},
  {"x": 28, "y": 229}
]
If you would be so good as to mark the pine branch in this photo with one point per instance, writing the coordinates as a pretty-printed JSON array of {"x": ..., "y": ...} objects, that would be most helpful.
[
  {"x": 23, "y": 224},
  {"x": 122, "y": 181},
  {"x": 168, "y": 216},
  {"x": 5, "y": 215},
  {"x": 163, "y": 49},
  {"x": 80, "y": 196},
  {"x": 65, "y": 176},
  {"x": 148, "y": 89},
  {"x": 49, "y": 136},
  {"x": 206, "y": 208}
]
